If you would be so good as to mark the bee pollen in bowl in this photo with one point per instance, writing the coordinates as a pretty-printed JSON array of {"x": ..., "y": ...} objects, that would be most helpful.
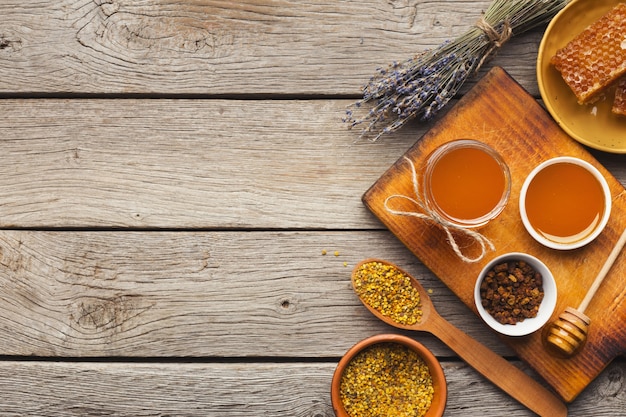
[{"x": 387, "y": 379}]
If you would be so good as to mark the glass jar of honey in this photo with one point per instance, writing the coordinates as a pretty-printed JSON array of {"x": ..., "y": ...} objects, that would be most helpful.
[{"x": 466, "y": 183}]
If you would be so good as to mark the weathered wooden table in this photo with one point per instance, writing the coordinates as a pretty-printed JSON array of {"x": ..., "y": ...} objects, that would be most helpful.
[{"x": 171, "y": 174}]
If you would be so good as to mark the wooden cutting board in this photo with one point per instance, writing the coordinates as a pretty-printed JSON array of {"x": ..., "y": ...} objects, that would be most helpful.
[{"x": 499, "y": 112}]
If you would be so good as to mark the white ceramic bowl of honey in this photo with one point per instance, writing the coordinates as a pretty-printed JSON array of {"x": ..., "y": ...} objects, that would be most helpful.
[
  {"x": 466, "y": 183},
  {"x": 565, "y": 203}
]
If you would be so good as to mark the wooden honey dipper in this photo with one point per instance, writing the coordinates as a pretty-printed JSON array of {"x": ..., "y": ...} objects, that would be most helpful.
[{"x": 567, "y": 334}]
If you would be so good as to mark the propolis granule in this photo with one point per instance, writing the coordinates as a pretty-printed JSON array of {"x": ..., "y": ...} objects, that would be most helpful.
[
  {"x": 512, "y": 292},
  {"x": 389, "y": 291},
  {"x": 386, "y": 379}
]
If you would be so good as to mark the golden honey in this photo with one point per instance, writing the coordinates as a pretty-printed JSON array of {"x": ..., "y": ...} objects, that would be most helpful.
[
  {"x": 564, "y": 202},
  {"x": 466, "y": 182}
]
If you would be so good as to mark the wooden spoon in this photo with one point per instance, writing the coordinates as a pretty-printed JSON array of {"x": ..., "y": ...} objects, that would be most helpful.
[{"x": 492, "y": 366}]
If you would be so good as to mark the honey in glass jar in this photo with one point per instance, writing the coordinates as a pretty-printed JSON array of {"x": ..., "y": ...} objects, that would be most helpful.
[{"x": 466, "y": 182}]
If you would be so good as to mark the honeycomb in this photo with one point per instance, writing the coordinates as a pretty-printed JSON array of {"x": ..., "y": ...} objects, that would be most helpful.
[
  {"x": 619, "y": 105},
  {"x": 595, "y": 58}
]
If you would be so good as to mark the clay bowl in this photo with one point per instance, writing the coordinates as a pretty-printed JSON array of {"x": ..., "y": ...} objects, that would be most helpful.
[{"x": 440, "y": 395}]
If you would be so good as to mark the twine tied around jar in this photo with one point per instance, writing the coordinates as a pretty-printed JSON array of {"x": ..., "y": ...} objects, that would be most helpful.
[{"x": 429, "y": 215}]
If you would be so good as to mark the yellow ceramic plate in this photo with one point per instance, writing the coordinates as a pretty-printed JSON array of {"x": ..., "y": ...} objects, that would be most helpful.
[{"x": 593, "y": 125}]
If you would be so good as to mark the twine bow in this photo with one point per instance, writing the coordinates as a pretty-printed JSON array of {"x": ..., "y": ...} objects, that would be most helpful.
[{"x": 429, "y": 215}]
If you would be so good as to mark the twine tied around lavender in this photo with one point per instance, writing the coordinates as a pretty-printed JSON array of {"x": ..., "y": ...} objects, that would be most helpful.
[
  {"x": 419, "y": 87},
  {"x": 427, "y": 214},
  {"x": 496, "y": 39}
]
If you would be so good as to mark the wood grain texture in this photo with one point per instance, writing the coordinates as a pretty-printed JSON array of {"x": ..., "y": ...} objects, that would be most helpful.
[
  {"x": 186, "y": 163},
  {"x": 225, "y": 47},
  {"x": 239, "y": 389},
  {"x": 191, "y": 164},
  {"x": 197, "y": 294},
  {"x": 170, "y": 174},
  {"x": 516, "y": 127}
]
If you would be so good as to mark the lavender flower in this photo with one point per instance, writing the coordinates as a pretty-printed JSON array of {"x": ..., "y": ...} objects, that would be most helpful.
[{"x": 421, "y": 86}]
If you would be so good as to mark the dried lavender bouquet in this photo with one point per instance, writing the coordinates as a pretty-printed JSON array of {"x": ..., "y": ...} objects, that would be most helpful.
[{"x": 420, "y": 86}]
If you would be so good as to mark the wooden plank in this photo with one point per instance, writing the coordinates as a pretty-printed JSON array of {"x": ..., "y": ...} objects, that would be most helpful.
[
  {"x": 226, "y": 47},
  {"x": 187, "y": 163},
  {"x": 198, "y": 294},
  {"x": 191, "y": 164},
  {"x": 524, "y": 139},
  {"x": 77, "y": 389}
]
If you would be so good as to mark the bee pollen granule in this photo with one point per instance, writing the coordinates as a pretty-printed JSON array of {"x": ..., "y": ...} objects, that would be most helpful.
[
  {"x": 389, "y": 291},
  {"x": 387, "y": 379}
]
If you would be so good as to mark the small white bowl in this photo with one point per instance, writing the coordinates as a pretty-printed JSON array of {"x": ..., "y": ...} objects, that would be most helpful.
[
  {"x": 584, "y": 238},
  {"x": 546, "y": 308}
]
